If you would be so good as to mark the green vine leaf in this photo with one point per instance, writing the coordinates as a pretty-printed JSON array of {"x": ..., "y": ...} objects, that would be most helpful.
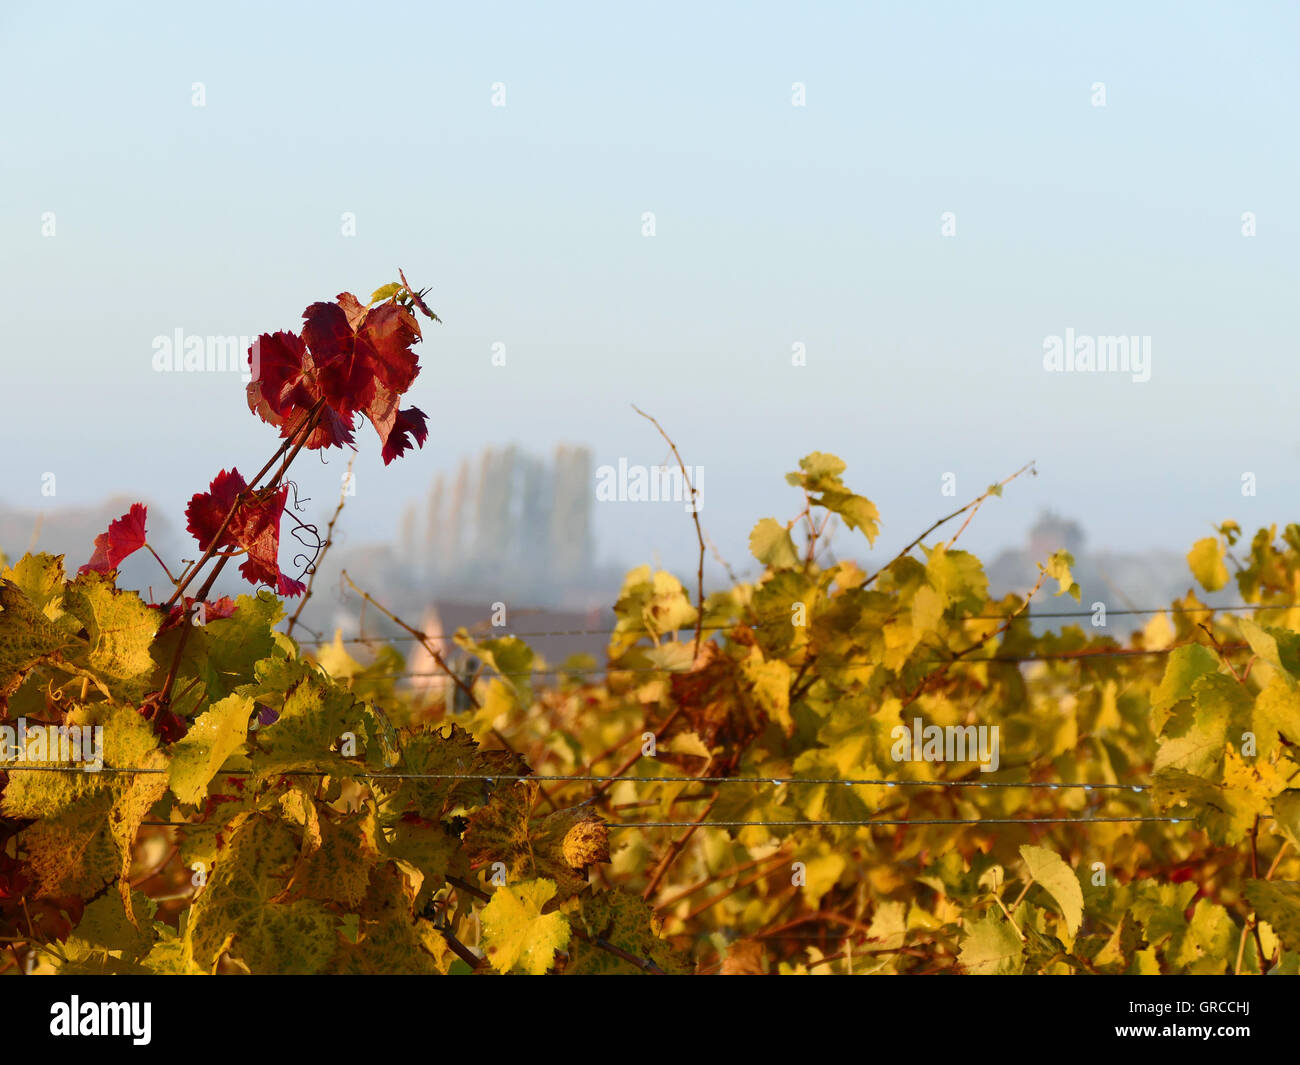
[
  {"x": 991, "y": 947},
  {"x": 771, "y": 544},
  {"x": 1050, "y": 872}
]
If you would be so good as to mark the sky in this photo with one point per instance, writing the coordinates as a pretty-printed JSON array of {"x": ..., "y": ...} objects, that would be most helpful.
[{"x": 128, "y": 212}]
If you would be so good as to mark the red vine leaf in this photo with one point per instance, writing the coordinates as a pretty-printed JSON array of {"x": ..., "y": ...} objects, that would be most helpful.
[
  {"x": 284, "y": 390},
  {"x": 124, "y": 537},
  {"x": 255, "y": 527},
  {"x": 213, "y": 610},
  {"x": 410, "y": 423},
  {"x": 349, "y": 359},
  {"x": 396, "y": 427}
]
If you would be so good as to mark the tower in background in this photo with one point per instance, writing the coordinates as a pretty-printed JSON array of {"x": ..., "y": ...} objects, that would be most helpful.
[{"x": 509, "y": 518}]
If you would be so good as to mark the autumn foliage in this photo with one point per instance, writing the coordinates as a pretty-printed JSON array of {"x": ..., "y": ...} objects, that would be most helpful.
[{"x": 740, "y": 802}]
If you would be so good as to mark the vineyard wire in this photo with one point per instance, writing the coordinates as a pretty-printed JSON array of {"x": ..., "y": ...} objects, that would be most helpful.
[
  {"x": 561, "y": 777},
  {"x": 784, "y": 619}
]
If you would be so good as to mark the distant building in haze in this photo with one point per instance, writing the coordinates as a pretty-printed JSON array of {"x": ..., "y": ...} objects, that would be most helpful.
[
  {"x": 1132, "y": 581},
  {"x": 505, "y": 518}
]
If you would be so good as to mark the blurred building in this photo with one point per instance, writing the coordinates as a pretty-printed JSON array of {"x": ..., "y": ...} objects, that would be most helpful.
[
  {"x": 505, "y": 517},
  {"x": 1122, "y": 580}
]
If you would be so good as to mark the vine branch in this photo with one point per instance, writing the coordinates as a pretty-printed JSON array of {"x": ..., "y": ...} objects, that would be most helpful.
[{"x": 699, "y": 533}]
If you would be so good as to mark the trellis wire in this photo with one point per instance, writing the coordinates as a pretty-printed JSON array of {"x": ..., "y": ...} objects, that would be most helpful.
[
  {"x": 862, "y": 823},
  {"x": 591, "y": 778},
  {"x": 784, "y": 619}
]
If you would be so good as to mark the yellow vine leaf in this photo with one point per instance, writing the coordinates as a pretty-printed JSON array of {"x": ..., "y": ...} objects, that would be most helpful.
[
  {"x": 213, "y": 736},
  {"x": 517, "y": 934}
]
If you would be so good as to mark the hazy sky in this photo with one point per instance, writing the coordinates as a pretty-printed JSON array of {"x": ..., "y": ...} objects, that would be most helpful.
[{"x": 775, "y": 225}]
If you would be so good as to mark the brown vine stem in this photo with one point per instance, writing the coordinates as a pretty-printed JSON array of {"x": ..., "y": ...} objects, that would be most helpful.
[
  {"x": 1277, "y": 858},
  {"x": 1254, "y": 849},
  {"x": 820, "y": 915},
  {"x": 461, "y": 951},
  {"x": 1010, "y": 920},
  {"x": 149, "y": 548},
  {"x": 709, "y": 903},
  {"x": 329, "y": 540},
  {"x": 659, "y": 732},
  {"x": 713, "y": 549},
  {"x": 420, "y": 636},
  {"x": 685, "y": 893},
  {"x": 1241, "y": 946},
  {"x": 1219, "y": 648},
  {"x": 1023, "y": 892},
  {"x": 1254, "y": 872},
  {"x": 676, "y": 848},
  {"x": 1042, "y": 576},
  {"x": 662, "y": 870},
  {"x": 589, "y": 767},
  {"x": 699, "y": 533},
  {"x": 797, "y": 692},
  {"x": 974, "y": 503}
]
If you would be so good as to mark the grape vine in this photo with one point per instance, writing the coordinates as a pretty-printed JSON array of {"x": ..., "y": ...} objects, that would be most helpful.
[{"x": 827, "y": 769}]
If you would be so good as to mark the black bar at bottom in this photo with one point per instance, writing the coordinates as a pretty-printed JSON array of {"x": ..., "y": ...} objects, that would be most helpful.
[{"x": 229, "y": 1015}]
